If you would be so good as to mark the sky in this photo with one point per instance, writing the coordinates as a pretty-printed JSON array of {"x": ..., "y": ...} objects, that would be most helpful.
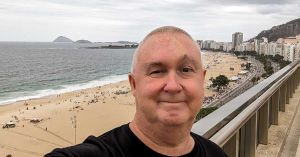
[{"x": 131, "y": 20}]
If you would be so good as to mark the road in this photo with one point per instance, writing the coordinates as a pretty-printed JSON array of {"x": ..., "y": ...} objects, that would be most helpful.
[{"x": 256, "y": 70}]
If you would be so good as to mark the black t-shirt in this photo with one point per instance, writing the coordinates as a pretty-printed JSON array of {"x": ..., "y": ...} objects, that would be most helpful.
[{"x": 121, "y": 142}]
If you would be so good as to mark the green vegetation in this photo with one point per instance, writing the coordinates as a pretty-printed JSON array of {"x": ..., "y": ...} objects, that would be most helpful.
[
  {"x": 220, "y": 81},
  {"x": 255, "y": 79},
  {"x": 266, "y": 61},
  {"x": 204, "y": 112},
  {"x": 279, "y": 59}
]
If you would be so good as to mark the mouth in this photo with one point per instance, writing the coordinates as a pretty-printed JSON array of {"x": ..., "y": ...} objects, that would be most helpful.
[
  {"x": 171, "y": 101},
  {"x": 172, "y": 108},
  {"x": 172, "y": 105}
]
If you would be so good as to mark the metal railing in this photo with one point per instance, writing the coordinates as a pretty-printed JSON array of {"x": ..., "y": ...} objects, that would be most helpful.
[{"x": 241, "y": 124}]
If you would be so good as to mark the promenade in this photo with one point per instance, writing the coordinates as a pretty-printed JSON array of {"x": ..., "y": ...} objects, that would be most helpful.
[
  {"x": 261, "y": 122},
  {"x": 291, "y": 147},
  {"x": 283, "y": 140}
]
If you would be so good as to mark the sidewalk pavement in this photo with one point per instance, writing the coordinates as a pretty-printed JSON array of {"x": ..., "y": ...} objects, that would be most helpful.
[
  {"x": 292, "y": 144},
  {"x": 298, "y": 149}
]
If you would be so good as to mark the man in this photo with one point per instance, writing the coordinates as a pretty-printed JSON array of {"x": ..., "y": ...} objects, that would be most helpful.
[{"x": 166, "y": 80}]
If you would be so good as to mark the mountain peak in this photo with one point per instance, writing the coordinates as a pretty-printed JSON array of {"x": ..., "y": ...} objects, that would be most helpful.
[
  {"x": 289, "y": 29},
  {"x": 63, "y": 39}
]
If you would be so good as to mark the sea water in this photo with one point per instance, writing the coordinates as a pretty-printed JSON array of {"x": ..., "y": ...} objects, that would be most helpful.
[{"x": 35, "y": 69}]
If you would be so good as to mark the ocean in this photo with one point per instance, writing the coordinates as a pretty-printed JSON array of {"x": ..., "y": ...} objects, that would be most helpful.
[{"x": 36, "y": 69}]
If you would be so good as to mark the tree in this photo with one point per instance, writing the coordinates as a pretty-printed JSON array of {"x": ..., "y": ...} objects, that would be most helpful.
[
  {"x": 237, "y": 53},
  {"x": 264, "y": 75},
  {"x": 258, "y": 78},
  {"x": 220, "y": 81},
  {"x": 253, "y": 80},
  {"x": 248, "y": 65},
  {"x": 204, "y": 112}
]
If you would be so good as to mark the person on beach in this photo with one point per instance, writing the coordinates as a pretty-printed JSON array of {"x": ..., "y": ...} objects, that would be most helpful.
[{"x": 166, "y": 79}]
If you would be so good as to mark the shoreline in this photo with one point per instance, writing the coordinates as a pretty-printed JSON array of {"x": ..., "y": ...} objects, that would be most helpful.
[
  {"x": 67, "y": 88},
  {"x": 43, "y": 124},
  {"x": 108, "y": 80}
]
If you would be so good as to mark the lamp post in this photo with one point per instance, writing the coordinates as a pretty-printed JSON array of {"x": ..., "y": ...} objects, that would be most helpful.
[{"x": 74, "y": 123}]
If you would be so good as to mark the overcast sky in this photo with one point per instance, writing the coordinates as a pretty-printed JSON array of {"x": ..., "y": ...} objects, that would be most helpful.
[{"x": 114, "y": 20}]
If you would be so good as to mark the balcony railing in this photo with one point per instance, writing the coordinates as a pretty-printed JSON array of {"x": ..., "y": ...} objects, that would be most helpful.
[{"x": 241, "y": 124}]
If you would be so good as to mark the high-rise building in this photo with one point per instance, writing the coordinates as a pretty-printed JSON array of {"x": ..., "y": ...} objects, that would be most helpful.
[
  {"x": 263, "y": 48},
  {"x": 265, "y": 40},
  {"x": 237, "y": 39},
  {"x": 227, "y": 46},
  {"x": 257, "y": 45},
  {"x": 289, "y": 52},
  {"x": 297, "y": 53}
]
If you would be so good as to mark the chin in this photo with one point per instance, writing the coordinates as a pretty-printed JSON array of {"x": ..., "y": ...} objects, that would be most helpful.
[{"x": 175, "y": 121}]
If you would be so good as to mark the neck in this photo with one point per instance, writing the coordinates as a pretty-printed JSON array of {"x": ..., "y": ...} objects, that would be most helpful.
[{"x": 167, "y": 140}]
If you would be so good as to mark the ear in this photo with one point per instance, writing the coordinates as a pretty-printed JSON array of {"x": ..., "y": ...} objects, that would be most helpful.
[
  {"x": 132, "y": 83},
  {"x": 204, "y": 73}
]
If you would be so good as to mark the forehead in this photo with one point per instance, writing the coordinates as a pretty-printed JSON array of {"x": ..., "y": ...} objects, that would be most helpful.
[{"x": 167, "y": 46}]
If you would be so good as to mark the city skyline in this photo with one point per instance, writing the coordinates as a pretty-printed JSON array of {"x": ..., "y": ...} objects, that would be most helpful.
[{"x": 114, "y": 20}]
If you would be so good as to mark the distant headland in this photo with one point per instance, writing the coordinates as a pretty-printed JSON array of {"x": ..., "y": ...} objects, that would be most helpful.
[
  {"x": 82, "y": 41},
  {"x": 102, "y": 45},
  {"x": 62, "y": 39}
]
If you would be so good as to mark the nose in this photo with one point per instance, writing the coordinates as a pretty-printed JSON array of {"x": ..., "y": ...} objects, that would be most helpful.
[{"x": 172, "y": 84}]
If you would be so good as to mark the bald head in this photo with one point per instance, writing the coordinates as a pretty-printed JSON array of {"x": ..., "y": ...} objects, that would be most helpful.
[{"x": 168, "y": 30}]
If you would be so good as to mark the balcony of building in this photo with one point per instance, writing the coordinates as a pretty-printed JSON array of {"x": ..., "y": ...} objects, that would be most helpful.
[{"x": 263, "y": 121}]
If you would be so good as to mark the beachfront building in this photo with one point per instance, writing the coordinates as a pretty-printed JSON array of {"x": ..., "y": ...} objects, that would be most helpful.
[
  {"x": 279, "y": 47},
  {"x": 227, "y": 46},
  {"x": 289, "y": 52},
  {"x": 257, "y": 45},
  {"x": 263, "y": 48},
  {"x": 207, "y": 44},
  {"x": 200, "y": 42},
  {"x": 245, "y": 46},
  {"x": 237, "y": 39},
  {"x": 213, "y": 45},
  {"x": 216, "y": 45},
  {"x": 297, "y": 51},
  {"x": 289, "y": 47},
  {"x": 271, "y": 48},
  {"x": 240, "y": 48},
  {"x": 249, "y": 46},
  {"x": 292, "y": 40},
  {"x": 265, "y": 40}
]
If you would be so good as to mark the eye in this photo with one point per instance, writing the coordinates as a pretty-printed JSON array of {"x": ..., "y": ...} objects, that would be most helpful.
[
  {"x": 156, "y": 72},
  {"x": 187, "y": 69}
]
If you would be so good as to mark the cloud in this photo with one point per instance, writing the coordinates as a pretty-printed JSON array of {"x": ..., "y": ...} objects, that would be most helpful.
[
  {"x": 132, "y": 19},
  {"x": 253, "y": 2}
]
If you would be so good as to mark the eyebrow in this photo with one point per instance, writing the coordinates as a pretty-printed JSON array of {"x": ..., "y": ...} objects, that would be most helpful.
[
  {"x": 153, "y": 64},
  {"x": 184, "y": 59}
]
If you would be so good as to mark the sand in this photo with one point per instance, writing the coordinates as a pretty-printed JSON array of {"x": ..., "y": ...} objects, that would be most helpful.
[{"x": 95, "y": 110}]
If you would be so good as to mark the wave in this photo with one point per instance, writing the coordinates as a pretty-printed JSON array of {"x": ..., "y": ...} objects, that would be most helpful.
[{"x": 63, "y": 89}]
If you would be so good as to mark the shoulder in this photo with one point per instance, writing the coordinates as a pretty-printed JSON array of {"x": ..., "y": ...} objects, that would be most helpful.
[
  {"x": 110, "y": 143},
  {"x": 210, "y": 148}
]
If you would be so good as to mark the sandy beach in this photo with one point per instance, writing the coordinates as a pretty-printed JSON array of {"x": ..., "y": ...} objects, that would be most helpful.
[{"x": 46, "y": 123}]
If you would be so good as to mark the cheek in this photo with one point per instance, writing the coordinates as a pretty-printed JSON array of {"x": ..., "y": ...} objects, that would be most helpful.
[
  {"x": 196, "y": 86},
  {"x": 195, "y": 92},
  {"x": 150, "y": 88}
]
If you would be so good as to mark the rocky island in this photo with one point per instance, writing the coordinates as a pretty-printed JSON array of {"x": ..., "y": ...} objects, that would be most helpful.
[{"x": 62, "y": 39}]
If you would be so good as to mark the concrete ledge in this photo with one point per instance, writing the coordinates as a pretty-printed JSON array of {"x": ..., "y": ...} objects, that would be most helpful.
[
  {"x": 298, "y": 150},
  {"x": 278, "y": 133}
]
